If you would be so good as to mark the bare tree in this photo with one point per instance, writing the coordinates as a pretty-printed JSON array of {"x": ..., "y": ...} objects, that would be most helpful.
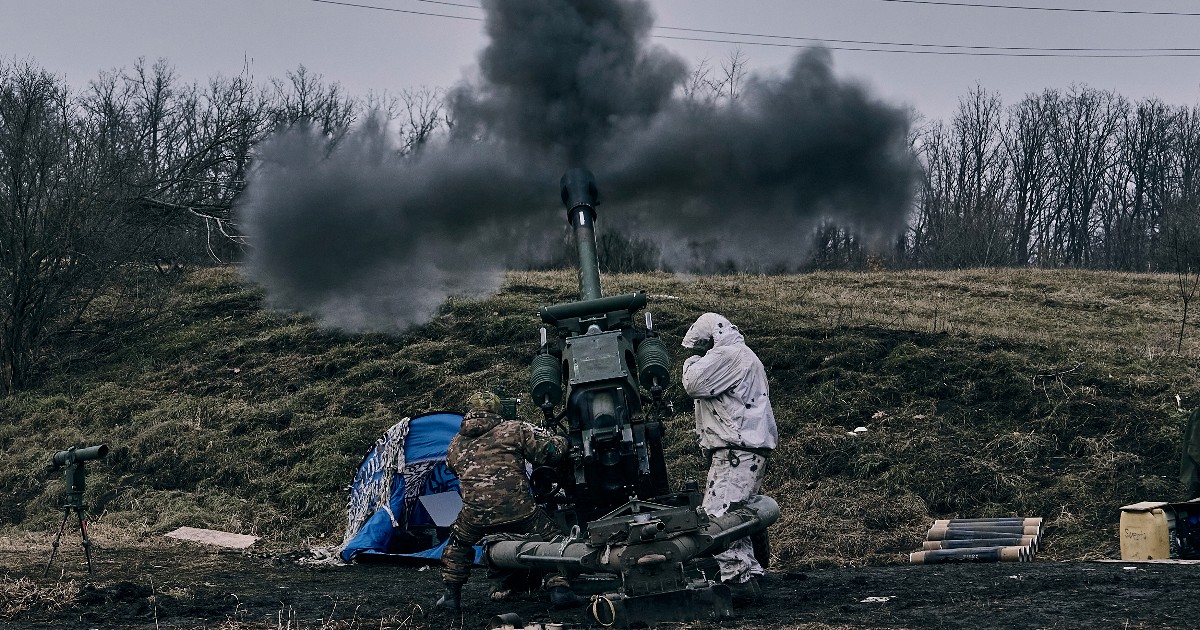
[
  {"x": 1182, "y": 215},
  {"x": 183, "y": 149},
  {"x": 927, "y": 228},
  {"x": 733, "y": 74},
  {"x": 305, "y": 98},
  {"x": 55, "y": 215},
  {"x": 96, "y": 189},
  {"x": 1139, "y": 187},
  {"x": 1025, "y": 145},
  {"x": 697, "y": 87},
  {"x": 706, "y": 85},
  {"x": 1184, "y": 242},
  {"x": 1083, "y": 130},
  {"x": 960, "y": 217},
  {"x": 980, "y": 179}
]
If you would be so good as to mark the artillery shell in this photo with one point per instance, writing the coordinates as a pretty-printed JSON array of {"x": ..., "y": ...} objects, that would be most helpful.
[
  {"x": 987, "y": 526},
  {"x": 961, "y": 522},
  {"x": 971, "y": 554},
  {"x": 939, "y": 533},
  {"x": 1015, "y": 541},
  {"x": 1017, "y": 530}
]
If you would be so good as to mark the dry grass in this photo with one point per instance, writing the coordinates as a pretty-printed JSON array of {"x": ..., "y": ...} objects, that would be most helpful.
[
  {"x": 20, "y": 596},
  {"x": 985, "y": 393}
]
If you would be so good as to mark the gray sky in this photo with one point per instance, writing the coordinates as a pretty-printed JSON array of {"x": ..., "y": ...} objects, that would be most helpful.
[{"x": 377, "y": 50}]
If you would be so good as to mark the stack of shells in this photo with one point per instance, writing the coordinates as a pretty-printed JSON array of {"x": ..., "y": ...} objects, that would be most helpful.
[{"x": 980, "y": 540}]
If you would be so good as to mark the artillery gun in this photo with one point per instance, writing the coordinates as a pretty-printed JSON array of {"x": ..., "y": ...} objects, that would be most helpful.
[{"x": 640, "y": 549}]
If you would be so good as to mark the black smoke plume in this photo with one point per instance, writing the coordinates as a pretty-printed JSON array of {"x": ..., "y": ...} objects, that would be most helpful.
[{"x": 367, "y": 239}]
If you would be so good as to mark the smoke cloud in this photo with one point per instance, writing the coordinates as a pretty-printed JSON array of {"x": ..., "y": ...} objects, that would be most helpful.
[{"x": 369, "y": 240}]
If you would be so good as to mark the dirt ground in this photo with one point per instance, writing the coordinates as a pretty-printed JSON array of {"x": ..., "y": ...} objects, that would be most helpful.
[{"x": 191, "y": 587}]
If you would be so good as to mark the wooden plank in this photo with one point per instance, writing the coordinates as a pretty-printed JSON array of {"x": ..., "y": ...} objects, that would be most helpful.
[{"x": 213, "y": 537}]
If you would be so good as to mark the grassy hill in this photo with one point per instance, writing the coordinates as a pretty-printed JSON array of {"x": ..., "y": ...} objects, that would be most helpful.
[{"x": 984, "y": 392}]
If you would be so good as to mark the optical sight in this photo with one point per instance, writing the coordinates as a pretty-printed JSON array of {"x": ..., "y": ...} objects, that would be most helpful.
[{"x": 72, "y": 455}]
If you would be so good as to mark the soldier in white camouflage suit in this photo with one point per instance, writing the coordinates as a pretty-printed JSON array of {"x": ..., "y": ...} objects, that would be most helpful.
[
  {"x": 737, "y": 432},
  {"x": 489, "y": 455}
]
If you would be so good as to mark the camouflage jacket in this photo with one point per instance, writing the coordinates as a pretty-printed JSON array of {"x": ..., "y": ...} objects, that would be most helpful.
[{"x": 489, "y": 456}]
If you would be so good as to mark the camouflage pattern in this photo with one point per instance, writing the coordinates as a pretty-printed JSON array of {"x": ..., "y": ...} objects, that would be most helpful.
[
  {"x": 484, "y": 401},
  {"x": 459, "y": 554},
  {"x": 489, "y": 456},
  {"x": 1189, "y": 465},
  {"x": 734, "y": 475}
]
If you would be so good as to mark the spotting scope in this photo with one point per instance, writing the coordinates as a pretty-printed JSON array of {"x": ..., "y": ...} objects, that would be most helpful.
[{"x": 73, "y": 454}]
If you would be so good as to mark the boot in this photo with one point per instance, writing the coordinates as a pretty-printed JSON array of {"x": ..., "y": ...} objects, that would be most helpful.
[
  {"x": 745, "y": 593},
  {"x": 451, "y": 599},
  {"x": 563, "y": 597}
]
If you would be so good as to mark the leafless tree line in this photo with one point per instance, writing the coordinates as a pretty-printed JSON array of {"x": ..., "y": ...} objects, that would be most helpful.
[
  {"x": 1082, "y": 178},
  {"x": 106, "y": 191}
]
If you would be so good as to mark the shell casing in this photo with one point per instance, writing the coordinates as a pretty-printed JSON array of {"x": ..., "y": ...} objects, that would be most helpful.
[
  {"x": 1011, "y": 530},
  {"x": 970, "y": 522},
  {"x": 971, "y": 554},
  {"x": 1016, "y": 541},
  {"x": 941, "y": 533}
]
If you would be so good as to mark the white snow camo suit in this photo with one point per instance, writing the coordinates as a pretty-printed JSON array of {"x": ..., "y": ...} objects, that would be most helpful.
[{"x": 735, "y": 424}]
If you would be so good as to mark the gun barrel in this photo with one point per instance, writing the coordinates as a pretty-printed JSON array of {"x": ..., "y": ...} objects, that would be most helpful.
[{"x": 580, "y": 196}]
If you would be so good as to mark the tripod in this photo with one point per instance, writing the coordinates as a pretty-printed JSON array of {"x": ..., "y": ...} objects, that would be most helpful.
[{"x": 73, "y": 503}]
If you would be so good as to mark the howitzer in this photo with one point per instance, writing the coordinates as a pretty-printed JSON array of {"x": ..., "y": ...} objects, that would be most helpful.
[
  {"x": 604, "y": 362},
  {"x": 644, "y": 550}
]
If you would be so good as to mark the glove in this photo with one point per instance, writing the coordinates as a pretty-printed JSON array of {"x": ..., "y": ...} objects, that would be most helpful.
[{"x": 702, "y": 347}]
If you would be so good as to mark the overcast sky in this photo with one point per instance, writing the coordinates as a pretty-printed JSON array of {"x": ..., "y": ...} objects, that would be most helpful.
[{"x": 367, "y": 49}]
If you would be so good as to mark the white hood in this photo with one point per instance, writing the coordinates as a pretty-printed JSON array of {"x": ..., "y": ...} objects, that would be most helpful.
[
  {"x": 715, "y": 327},
  {"x": 729, "y": 386}
]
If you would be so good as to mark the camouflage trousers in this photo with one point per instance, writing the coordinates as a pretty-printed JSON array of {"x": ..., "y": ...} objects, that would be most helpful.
[
  {"x": 459, "y": 554},
  {"x": 734, "y": 475}
]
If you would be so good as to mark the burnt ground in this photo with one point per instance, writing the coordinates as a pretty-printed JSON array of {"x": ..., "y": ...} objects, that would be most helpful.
[{"x": 192, "y": 587}]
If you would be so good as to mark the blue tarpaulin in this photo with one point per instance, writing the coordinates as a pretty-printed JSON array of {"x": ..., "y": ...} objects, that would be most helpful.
[{"x": 402, "y": 528}]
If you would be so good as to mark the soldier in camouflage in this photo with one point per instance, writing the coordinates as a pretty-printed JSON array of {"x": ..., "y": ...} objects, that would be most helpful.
[
  {"x": 737, "y": 430},
  {"x": 489, "y": 456}
]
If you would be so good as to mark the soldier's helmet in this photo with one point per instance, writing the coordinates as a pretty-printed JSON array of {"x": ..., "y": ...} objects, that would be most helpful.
[{"x": 484, "y": 401}]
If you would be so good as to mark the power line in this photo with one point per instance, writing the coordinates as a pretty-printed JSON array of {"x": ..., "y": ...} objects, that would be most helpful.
[
  {"x": 966, "y": 5},
  {"x": 917, "y": 45},
  {"x": 856, "y": 45},
  {"x": 451, "y": 4},
  {"x": 1060, "y": 9},
  {"x": 367, "y": 6},
  {"x": 1033, "y": 52}
]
